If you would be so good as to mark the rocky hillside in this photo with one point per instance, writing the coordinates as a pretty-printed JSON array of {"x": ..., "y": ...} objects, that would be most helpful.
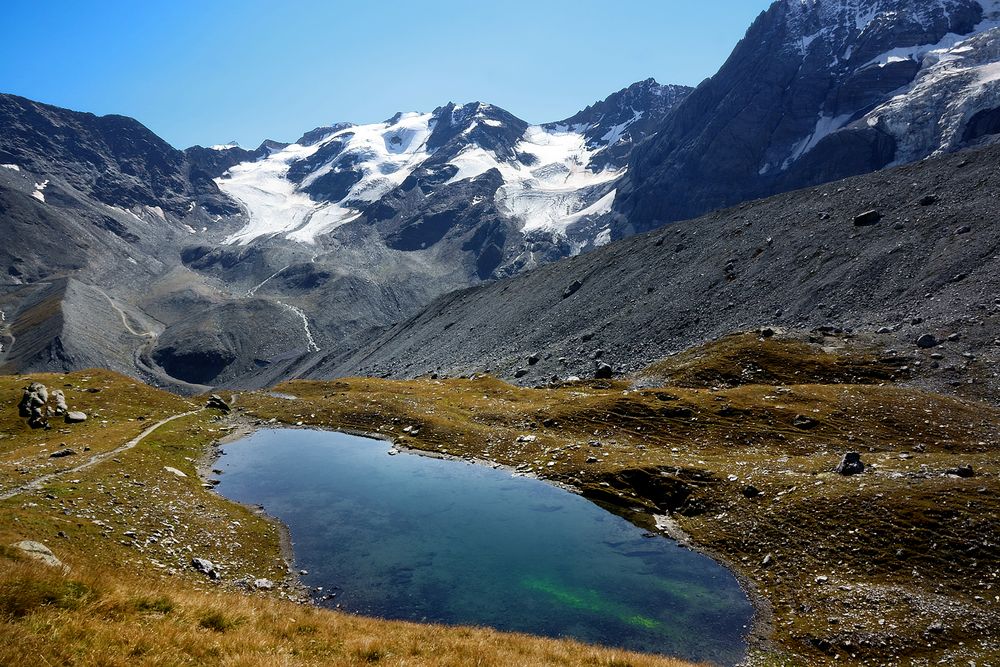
[
  {"x": 817, "y": 91},
  {"x": 126, "y": 253},
  {"x": 895, "y": 255}
]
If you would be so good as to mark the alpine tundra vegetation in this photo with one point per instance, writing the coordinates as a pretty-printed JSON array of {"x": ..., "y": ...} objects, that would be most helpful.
[{"x": 709, "y": 374}]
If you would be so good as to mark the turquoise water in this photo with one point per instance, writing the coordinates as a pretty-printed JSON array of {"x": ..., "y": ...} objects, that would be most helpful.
[{"x": 416, "y": 538}]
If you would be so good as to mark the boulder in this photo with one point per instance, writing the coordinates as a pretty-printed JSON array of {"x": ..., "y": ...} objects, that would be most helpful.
[
  {"x": 965, "y": 471},
  {"x": 805, "y": 422},
  {"x": 867, "y": 219},
  {"x": 572, "y": 289},
  {"x": 206, "y": 567},
  {"x": 39, "y": 552},
  {"x": 34, "y": 405},
  {"x": 216, "y": 402},
  {"x": 59, "y": 399},
  {"x": 75, "y": 417},
  {"x": 62, "y": 453},
  {"x": 850, "y": 465},
  {"x": 174, "y": 471},
  {"x": 533, "y": 359},
  {"x": 520, "y": 372},
  {"x": 604, "y": 372},
  {"x": 927, "y": 341}
]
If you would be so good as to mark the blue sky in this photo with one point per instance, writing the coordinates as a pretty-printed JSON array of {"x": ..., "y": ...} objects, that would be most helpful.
[{"x": 210, "y": 71}]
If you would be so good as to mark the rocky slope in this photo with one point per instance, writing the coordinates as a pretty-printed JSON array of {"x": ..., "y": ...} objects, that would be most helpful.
[
  {"x": 172, "y": 257},
  {"x": 816, "y": 91},
  {"x": 799, "y": 261}
]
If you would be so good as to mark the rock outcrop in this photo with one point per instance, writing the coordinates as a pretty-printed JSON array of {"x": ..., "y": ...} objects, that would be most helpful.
[
  {"x": 816, "y": 91},
  {"x": 36, "y": 407},
  {"x": 39, "y": 552}
]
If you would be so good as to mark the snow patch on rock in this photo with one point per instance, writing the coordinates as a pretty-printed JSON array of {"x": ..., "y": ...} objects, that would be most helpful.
[{"x": 554, "y": 190}]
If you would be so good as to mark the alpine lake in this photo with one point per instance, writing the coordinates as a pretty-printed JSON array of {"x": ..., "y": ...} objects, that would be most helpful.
[{"x": 447, "y": 541}]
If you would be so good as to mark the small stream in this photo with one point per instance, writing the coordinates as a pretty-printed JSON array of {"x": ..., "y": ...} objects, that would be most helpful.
[{"x": 424, "y": 539}]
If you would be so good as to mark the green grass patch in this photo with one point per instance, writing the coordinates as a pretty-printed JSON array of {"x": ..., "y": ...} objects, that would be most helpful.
[
  {"x": 160, "y": 604},
  {"x": 216, "y": 621},
  {"x": 23, "y": 597}
]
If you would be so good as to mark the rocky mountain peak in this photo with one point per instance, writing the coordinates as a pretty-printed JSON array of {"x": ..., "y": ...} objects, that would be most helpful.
[
  {"x": 817, "y": 90},
  {"x": 624, "y": 118}
]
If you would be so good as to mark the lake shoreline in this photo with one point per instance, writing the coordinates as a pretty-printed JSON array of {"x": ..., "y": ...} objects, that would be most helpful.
[{"x": 757, "y": 636}]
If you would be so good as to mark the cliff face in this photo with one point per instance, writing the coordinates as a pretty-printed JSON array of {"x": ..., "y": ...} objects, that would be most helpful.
[{"x": 817, "y": 90}]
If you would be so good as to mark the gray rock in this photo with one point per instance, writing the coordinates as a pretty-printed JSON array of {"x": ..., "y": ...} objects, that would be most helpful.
[
  {"x": 75, "y": 417},
  {"x": 928, "y": 200},
  {"x": 604, "y": 372},
  {"x": 60, "y": 407},
  {"x": 927, "y": 341},
  {"x": 520, "y": 373},
  {"x": 216, "y": 402},
  {"x": 206, "y": 567},
  {"x": 533, "y": 359},
  {"x": 867, "y": 219},
  {"x": 62, "y": 453},
  {"x": 850, "y": 465},
  {"x": 573, "y": 288},
  {"x": 31, "y": 398},
  {"x": 965, "y": 471},
  {"x": 34, "y": 405},
  {"x": 936, "y": 628},
  {"x": 39, "y": 552},
  {"x": 263, "y": 584}
]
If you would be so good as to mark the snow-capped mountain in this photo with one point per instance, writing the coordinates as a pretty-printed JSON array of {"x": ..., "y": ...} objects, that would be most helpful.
[
  {"x": 222, "y": 264},
  {"x": 421, "y": 177},
  {"x": 612, "y": 127},
  {"x": 819, "y": 90},
  {"x": 216, "y": 263}
]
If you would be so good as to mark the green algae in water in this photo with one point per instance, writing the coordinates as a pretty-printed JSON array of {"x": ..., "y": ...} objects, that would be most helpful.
[
  {"x": 415, "y": 538},
  {"x": 592, "y": 601}
]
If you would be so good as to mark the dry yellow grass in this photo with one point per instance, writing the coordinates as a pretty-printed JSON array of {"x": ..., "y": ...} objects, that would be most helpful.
[
  {"x": 898, "y": 565},
  {"x": 131, "y": 599},
  {"x": 104, "y": 618}
]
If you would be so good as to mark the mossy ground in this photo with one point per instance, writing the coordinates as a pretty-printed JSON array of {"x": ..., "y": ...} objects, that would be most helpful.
[{"x": 898, "y": 565}]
